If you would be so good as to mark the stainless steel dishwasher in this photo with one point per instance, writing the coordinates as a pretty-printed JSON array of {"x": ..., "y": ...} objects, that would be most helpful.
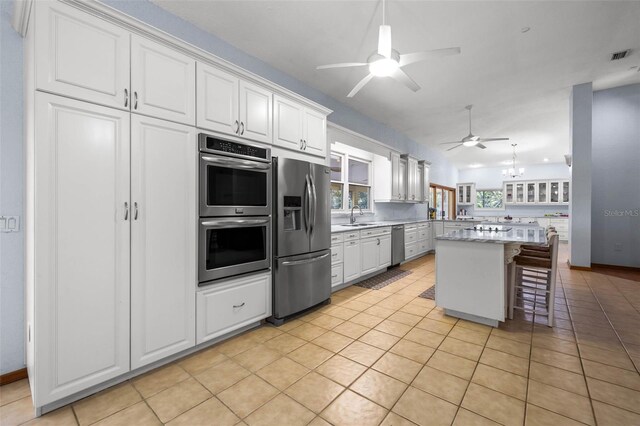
[{"x": 397, "y": 244}]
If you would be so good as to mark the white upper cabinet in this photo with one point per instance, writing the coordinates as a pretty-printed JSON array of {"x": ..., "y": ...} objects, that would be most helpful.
[
  {"x": 81, "y": 270},
  {"x": 466, "y": 194},
  {"x": 256, "y": 114},
  {"x": 413, "y": 180},
  {"x": 163, "y": 81},
  {"x": 233, "y": 106},
  {"x": 424, "y": 181},
  {"x": 163, "y": 239},
  {"x": 299, "y": 128},
  {"x": 81, "y": 56}
]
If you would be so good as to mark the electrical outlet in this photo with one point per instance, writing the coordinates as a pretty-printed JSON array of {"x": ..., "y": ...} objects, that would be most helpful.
[
  {"x": 617, "y": 247},
  {"x": 9, "y": 223}
]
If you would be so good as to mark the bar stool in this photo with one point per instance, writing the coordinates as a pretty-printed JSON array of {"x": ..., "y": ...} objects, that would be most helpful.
[{"x": 535, "y": 280}]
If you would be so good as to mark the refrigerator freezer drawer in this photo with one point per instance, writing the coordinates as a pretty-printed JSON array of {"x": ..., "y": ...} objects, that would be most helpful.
[{"x": 301, "y": 282}]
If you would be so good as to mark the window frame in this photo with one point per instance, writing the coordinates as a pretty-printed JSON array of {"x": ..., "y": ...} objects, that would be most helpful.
[
  {"x": 346, "y": 157},
  {"x": 486, "y": 209}
]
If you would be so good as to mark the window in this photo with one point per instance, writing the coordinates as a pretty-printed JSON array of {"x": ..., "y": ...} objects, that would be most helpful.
[
  {"x": 442, "y": 199},
  {"x": 337, "y": 185},
  {"x": 489, "y": 199},
  {"x": 350, "y": 185}
]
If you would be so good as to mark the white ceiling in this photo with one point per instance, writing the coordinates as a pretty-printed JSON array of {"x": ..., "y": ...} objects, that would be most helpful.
[{"x": 518, "y": 82}]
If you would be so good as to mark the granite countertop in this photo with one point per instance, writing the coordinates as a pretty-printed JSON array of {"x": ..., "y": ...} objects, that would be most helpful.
[
  {"x": 533, "y": 235},
  {"x": 379, "y": 224}
]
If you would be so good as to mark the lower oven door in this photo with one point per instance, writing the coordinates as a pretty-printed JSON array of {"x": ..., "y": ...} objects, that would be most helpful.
[{"x": 229, "y": 246}]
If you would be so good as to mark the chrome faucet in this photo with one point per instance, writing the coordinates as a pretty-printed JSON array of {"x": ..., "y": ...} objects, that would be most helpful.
[{"x": 352, "y": 220}]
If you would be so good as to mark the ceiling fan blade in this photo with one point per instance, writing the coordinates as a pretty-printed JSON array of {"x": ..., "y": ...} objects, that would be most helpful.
[
  {"x": 403, "y": 78},
  {"x": 447, "y": 143},
  {"x": 410, "y": 58},
  {"x": 342, "y": 65},
  {"x": 454, "y": 147},
  {"x": 492, "y": 139},
  {"x": 360, "y": 85},
  {"x": 384, "y": 41},
  {"x": 479, "y": 145}
]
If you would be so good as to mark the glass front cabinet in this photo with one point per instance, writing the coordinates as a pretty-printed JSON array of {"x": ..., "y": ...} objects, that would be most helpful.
[
  {"x": 557, "y": 191},
  {"x": 466, "y": 194}
]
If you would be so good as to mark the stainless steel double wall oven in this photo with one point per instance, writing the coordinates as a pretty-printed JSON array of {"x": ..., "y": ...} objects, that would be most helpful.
[{"x": 235, "y": 208}]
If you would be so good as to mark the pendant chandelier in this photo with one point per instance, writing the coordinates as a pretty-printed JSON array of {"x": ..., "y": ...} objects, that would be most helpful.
[{"x": 513, "y": 172}]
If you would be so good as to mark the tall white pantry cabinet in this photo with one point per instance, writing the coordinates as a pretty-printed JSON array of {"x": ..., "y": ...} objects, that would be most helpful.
[{"x": 111, "y": 218}]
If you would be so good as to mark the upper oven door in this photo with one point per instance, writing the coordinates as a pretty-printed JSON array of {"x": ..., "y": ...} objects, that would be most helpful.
[
  {"x": 233, "y": 246},
  {"x": 234, "y": 187}
]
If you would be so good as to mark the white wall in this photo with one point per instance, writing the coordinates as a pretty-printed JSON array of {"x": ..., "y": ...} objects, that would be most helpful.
[
  {"x": 491, "y": 178},
  {"x": 615, "y": 203}
]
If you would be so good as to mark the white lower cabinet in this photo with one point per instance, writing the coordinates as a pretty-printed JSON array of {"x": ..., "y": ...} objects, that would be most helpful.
[
  {"x": 163, "y": 239},
  {"x": 78, "y": 273},
  {"x": 336, "y": 275},
  {"x": 233, "y": 304},
  {"x": 410, "y": 250},
  {"x": 351, "y": 260},
  {"x": 385, "y": 252},
  {"x": 369, "y": 255},
  {"x": 337, "y": 259}
]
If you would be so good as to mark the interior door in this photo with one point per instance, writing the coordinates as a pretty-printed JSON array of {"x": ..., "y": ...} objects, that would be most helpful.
[
  {"x": 293, "y": 206},
  {"x": 255, "y": 112},
  {"x": 321, "y": 208},
  {"x": 163, "y": 82},
  {"x": 82, "y": 257},
  {"x": 163, "y": 239},
  {"x": 217, "y": 100}
]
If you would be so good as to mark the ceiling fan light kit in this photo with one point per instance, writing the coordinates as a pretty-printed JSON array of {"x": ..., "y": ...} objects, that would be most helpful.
[
  {"x": 388, "y": 62},
  {"x": 471, "y": 139}
]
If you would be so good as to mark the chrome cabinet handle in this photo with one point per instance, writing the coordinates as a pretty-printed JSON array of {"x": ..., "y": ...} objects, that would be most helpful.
[
  {"x": 334, "y": 276},
  {"x": 239, "y": 306},
  {"x": 126, "y": 210},
  {"x": 304, "y": 144},
  {"x": 378, "y": 241},
  {"x": 126, "y": 97},
  {"x": 237, "y": 127},
  {"x": 242, "y": 127},
  {"x": 135, "y": 211},
  {"x": 300, "y": 143},
  {"x": 135, "y": 100}
]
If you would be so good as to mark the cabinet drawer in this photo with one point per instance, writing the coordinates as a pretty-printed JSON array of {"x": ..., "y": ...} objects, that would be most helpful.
[
  {"x": 425, "y": 225},
  {"x": 375, "y": 232},
  {"x": 336, "y": 275},
  {"x": 423, "y": 246},
  {"x": 423, "y": 234},
  {"x": 411, "y": 227},
  {"x": 353, "y": 235},
  {"x": 337, "y": 253},
  {"x": 337, "y": 238},
  {"x": 410, "y": 250},
  {"x": 410, "y": 237},
  {"x": 234, "y": 304}
]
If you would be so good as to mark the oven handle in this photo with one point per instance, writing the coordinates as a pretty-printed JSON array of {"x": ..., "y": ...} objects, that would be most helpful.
[
  {"x": 234, "y": 223},
  {"x": 302, "y": 262},
  {"x": 236, "y": 164}
]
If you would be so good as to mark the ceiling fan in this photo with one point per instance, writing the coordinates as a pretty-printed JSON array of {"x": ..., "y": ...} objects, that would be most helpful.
[
  {"x": 388, "y": 62},
  {"x": 471, "y": 139}
]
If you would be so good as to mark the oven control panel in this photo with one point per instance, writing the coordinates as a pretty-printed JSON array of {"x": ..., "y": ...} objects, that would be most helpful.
[{"x": 215, "y": 145}]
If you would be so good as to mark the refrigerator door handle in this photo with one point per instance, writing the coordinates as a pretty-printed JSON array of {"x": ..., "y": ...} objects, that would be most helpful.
[
  {"x": 315, "y": 203},
  {"x": 307, "y": 209},
  {"x": 302, "y": 262}
]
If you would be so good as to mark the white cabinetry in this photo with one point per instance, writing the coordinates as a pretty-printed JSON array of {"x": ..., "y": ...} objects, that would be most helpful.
[
  {"x": 423, "y": 174},
  {"x": 230, "y": 105},
  {"x": 232, "y": 304},
  {"x": 375, "y": 249},
  {"x": 337, "y": 259},
  {"x": 424, "y": 237},
  {"x": 163, "y": 82},
  {"x": 466, "y": 194},
  {"x": 81, "y": 56},
  {"x": 351, "y": 259},
  {"x": 163, "y": 239},
  {"x": 299, "y": 128},
  {"x": 544, "y": 192},
  {"x": 412, "y": 180},
  {"x": 78, "y": 273},
  {"x": 562, "y": 227}
]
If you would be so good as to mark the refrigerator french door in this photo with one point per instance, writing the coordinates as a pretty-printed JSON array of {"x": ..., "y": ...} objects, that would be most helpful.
[{"x": 302, "y": 238}]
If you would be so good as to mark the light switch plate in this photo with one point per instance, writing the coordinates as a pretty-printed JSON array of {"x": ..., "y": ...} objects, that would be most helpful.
[{"x": 9, "y": 223}]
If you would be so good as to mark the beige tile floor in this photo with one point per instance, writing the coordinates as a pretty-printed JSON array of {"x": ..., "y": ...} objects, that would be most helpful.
[{"x": 387, "y": 357}]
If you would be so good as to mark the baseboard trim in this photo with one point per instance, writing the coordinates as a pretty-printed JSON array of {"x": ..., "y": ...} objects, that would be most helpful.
[
  {"x": 617, "y": 267},
  {"x": 13, "y": 376},
  {"x": 578, "y": 268}
]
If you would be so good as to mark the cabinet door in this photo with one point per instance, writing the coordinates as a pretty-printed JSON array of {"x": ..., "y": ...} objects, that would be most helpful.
[
  {"x": 425, "y": 184},
  {"x": 461, "y": 194},
  {"x": 542, "y": 193},
  {"x": 396, "y": 178},
  {"x": 384, "y": 247},
  {"x": 288, "y": 117},
  {"x": 531, "y": 193},
  {"x": 520, "y": 192},
  {"x": 554, "y": 192},
  {"x": 256, "y": 113},
  {"x": 369, "y": 255},
  {"x": 351, "y": 260},
  {"x": 82, "y": 255},
  {"x": 163, "y": 82},
  {"x": 315, "y": 132},
  {"x": 163, "y": 239},
  {"x": 419, "y": 183},
  {"x": 402, "y": 179},
  {"x": 217, "y": 100},
  {"x": 412, "y": 179},
  {"x": 467, "y": 194},
  {"x": 565, "y": 192},
  {"x": 508, "y": 193},
  {"x": 81, "y": 56}
]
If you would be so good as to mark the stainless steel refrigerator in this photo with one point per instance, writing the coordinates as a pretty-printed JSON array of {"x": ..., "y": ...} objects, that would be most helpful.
[{"x": 302, "y": 237}]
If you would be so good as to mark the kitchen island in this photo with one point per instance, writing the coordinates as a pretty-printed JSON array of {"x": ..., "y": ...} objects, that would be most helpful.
[{"x": 472, "y": 270}]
